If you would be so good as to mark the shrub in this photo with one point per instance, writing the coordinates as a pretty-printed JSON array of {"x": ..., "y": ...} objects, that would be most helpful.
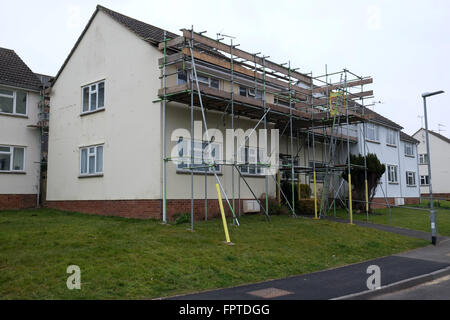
[
  {"x": 274, "y": 207},
  {"x": 305, "y": 191},
  {"x": 306, "y": 206}
]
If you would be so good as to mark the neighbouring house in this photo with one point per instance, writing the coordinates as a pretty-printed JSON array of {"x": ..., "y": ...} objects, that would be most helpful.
[
  {"x": 440, "y": 158},
  {"x": 20, "y": 148},
  {"x": 398, "y": 152}
]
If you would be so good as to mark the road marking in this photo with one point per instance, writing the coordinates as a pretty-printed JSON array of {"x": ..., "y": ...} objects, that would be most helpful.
[{"x": 270, "y": 293}]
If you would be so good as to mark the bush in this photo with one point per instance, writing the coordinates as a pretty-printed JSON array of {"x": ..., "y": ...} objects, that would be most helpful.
[
  {"x": 306, "y": 206},
  {"x": 305, "y": 191},
  {"x": 181, "y": 218}
]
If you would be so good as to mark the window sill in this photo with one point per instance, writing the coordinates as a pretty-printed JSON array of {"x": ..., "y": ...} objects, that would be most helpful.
[
  {"x": 99, "y": 175},
  {"x": 23, "y": 116},
  {"x": 373, "y": 141},
  {"x": 391, "y": 145},
  {"x": 393, "y": 182},
  {"x": 250, "y": 175},
  {"x": 13, "y": 172},
  {"x": 91, "y": 112},
  {"x": 411, "y": 186},
  {"x": 409, "y": 156}
]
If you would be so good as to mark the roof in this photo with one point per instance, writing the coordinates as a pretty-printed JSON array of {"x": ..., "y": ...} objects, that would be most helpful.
[
  {"x": 437, "y": 135},
  {"x": 147, "y": 32},
  {"x": 407, "y": 138},
  {"x": 14, "y": 72},
  {"x": 378, "y": 118},
  {"x": 45, "y": 79}
]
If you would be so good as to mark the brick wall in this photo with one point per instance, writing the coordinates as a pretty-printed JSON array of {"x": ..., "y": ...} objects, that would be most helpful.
[
  {"x": 436, "y": 195},
  {"x": 17, "y": 201},
  {"x": 142, "y": 209}
]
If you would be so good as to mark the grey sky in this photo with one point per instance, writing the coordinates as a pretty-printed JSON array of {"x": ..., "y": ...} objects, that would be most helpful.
[{"x": 403, "y": 45}]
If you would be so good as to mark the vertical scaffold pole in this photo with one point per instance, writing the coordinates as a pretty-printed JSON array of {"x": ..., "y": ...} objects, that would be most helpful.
[
  {"x": 265, "y": 135},
  {"x": 291, "y": 141},
  {"x": 350, "y": 207},
  {"x": 164, "y": 133},
  {"x": 192, "y": 137},
  {"x": 313, "y": 149},
  {"x": 232, "y": 122}
]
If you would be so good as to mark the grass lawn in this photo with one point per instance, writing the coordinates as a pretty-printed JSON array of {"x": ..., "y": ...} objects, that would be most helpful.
[
  {"x": 405, "y": 218},
  {"x": 139, "y": 259}
]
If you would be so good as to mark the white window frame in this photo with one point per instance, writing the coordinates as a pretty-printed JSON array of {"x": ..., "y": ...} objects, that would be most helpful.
[
  {"x": 376, "y": 132},
  {"x": 95, "y": 154},
  {"x": 91, "y": 91},
  {"x": 391, "y": 173},
  {"x": 410, "y": 175},
  {"x": 391, "y": 139},
  {"x": 14, "y": 97},
  {"x": 423, "y": 158},
  {"x": 245, "y": 166},
  {"x": 423, "y": 178},
  {"x": 411, "y": 147},
  {"x": 184, "y": 166},
  {"x": 11, "y": 158}
]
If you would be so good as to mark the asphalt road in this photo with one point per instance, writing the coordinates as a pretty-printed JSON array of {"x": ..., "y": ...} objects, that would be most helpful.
[{"x": 438, "y": 289}]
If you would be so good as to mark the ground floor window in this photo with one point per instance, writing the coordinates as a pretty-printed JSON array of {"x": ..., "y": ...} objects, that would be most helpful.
[
  {"x": 91, "y": 160},
  {"x": 205, "y": 157},
  {"x": 424, "y": 181},
  {"x": 12, "y": 158},
  {"x": 410, "y": 178},
  {"x": 251, "y": 158},
  {"x": 392, "y": 174}
]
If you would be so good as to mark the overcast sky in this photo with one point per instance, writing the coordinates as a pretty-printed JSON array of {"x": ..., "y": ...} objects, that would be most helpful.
[{"x": 403, "y": 45}]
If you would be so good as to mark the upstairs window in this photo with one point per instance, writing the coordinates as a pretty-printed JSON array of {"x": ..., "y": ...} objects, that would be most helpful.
[
  {"x": 391, "y": 137},
  {"x": 13, "y": 102},
  {"x": 209, "y": 81},
  {"x": 12, "y": 159},
  {"x": 409, "y": 150},
  {"x": 410, "y": 178},
  {"x": 250, "y": 92},
  {"x": 93, "y": 97},
  {"x": 282, "y": 102},
  {"x": 423, "y": 158},
  {"x": 392, "y": 174},
  {"x": 372, "y": 133},
  {"x": 91, "y": 160},
  {"x": 181, "y": 77},
  {"x": 320, "y": 171}
]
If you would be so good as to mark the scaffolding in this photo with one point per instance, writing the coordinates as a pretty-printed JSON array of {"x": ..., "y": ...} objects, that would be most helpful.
[{"x": 304, "y": 107}]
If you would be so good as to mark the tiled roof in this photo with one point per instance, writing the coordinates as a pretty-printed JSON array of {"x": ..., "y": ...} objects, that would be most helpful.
[
  {"x": 144, "y": 30},
  {"x": 14, "y": 72},
  {"x": 378, "y": 118},
  {"x": 407, "y": 138}
]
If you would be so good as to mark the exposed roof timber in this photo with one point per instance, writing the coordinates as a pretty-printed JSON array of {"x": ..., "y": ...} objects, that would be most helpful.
[
  {"x": 325, "y": 101},
  {"x": 247, "y": 56}
]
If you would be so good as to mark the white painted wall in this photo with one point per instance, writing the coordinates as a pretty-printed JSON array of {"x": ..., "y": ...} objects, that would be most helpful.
[
  {"x": 14, "y": 131},
  {"x": 440, "y": 159},
  {"x": 390, "y": 155},
  {"x": 129, "y": 127}
]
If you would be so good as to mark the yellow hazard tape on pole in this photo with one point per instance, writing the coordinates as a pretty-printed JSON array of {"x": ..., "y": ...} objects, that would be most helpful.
[
  {"x": 224, "y": 220},
  {"x": 315, "y": 195},
  {"x": 350, "y": 197},
  {"x": 367, "y": 197}
]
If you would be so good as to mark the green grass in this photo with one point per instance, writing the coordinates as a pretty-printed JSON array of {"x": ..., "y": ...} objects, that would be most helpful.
[
  {"x": 439, "y": 204},
  {"x": 405, "y": 218},
  {"x": 139, "y": 259}
]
